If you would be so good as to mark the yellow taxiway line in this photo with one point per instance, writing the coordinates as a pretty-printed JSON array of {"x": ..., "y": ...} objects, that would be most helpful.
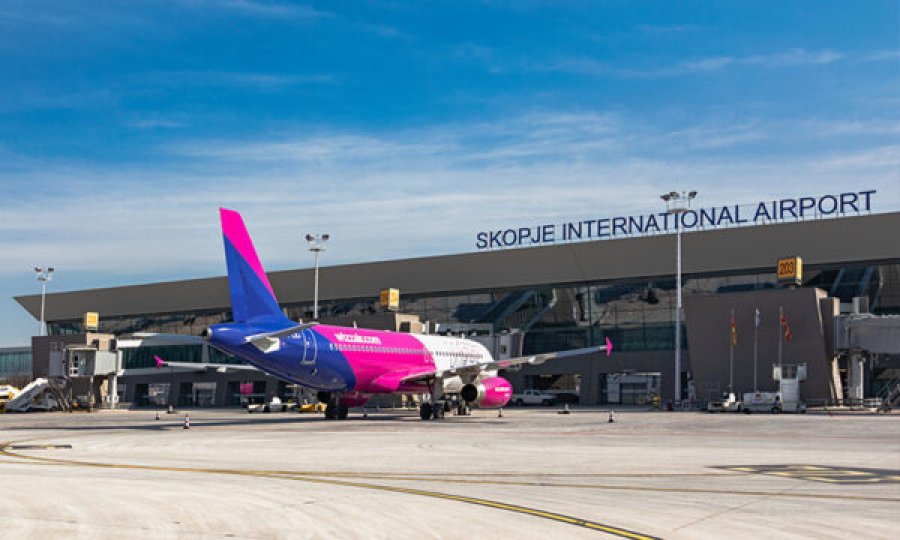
[{"x": 6, "y": 450}]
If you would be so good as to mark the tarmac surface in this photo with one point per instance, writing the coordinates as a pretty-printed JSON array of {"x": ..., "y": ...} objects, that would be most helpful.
[{"x": 532, "y": 474}]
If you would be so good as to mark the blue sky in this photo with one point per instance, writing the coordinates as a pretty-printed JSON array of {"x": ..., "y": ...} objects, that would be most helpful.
[{"x": 402, "y": 128}]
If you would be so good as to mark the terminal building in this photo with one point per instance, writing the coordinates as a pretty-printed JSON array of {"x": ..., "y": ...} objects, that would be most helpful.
[{"x": 548, "y": 298}]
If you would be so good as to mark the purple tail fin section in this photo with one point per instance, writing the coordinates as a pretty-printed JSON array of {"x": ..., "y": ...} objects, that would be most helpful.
[{"x": 252, "y": 298}]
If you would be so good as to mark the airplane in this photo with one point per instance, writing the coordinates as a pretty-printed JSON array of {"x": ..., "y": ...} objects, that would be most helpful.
[{"x": 347, "y": 365}]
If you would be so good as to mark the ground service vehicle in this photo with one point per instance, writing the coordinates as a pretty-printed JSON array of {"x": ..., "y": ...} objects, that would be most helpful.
[
  {"x": 533, "y": 397},
  {"x": 728, "y": 403}
]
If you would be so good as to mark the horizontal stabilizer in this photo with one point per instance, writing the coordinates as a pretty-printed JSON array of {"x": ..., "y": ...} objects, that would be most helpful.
[{"x": 271, "y": 341}]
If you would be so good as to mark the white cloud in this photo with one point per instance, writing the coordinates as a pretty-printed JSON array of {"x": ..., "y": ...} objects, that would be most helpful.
[
  {"x": 711, "y": 64},
  {"x": 412, "y": 193},
  {"x": 153, "y": 122},
  {"x": 878, "y": 56},
  {"x": 256, "y": 80},
  {"x": 262, "y": 9},
  {"x": 705, "y": 64},
  {"x": 793, "y": 57}
]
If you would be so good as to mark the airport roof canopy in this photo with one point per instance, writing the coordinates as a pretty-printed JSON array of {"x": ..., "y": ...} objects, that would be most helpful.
[{"x": 820, "y": 242}]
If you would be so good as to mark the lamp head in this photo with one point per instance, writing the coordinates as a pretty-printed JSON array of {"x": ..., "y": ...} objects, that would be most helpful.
[
  {"x": 692, "y": 194},
  {"x": 310, "y": 238},
  {"x": 38, "y": 269},
  {"x": 325, "y": 237}
]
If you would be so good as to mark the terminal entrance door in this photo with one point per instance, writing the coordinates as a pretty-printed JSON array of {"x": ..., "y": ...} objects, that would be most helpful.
[{"x": 629, "y": 388}]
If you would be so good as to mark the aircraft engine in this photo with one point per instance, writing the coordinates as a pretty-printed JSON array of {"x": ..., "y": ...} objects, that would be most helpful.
[{"x": 490, "y": 392}]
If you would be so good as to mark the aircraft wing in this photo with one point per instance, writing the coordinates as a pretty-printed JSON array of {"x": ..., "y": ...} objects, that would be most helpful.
[
  {"x": 536, "y": 359},
  {"x": 508, "y": 363},
  {"x": 202, "y": 366}
]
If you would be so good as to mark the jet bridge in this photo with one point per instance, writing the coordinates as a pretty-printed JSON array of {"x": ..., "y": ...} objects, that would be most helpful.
[{"x": 864, "y": 339}]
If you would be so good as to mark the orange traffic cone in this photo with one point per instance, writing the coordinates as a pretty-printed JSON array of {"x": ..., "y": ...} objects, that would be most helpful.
[
  {"x": 157, "y": 414},
  {"x": 500, "y": 413},
  {"x": 187, "y": 421}
]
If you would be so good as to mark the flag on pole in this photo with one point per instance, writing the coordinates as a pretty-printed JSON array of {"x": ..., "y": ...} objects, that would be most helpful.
[
  {"x": 784, "y": 326},
  {"x": 733, "y": 330}
]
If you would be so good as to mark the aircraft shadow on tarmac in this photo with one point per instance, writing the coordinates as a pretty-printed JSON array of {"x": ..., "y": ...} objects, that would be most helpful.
[{"x": 176, "y": 421}]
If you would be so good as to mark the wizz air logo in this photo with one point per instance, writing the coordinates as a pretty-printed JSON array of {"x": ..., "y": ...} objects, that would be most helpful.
[{"x": 356, "y": 338}]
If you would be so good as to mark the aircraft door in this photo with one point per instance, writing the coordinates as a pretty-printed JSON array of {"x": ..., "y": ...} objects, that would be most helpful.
[{"x": 310, "y": 347}]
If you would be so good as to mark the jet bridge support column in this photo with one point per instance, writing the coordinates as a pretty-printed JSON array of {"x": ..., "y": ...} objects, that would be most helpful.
[{"x": 855, "y": 376}]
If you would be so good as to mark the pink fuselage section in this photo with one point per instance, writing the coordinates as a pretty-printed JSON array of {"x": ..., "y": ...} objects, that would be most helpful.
[{"x": 380, "y": 360}]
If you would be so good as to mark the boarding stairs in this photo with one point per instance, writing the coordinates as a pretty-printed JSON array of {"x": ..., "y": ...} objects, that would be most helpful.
[
  {"x": 890, "y": 395},
  {"x": 22, "y": 401},
  {"x": 57, "y": 387}
]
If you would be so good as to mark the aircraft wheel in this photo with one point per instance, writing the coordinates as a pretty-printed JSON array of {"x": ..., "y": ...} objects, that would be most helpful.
[
  {"x": 330, "y": 411},
  {"x": 342, "y": 411},
  {"x": 425, "y": 411},
  {"x": 437, "y": 411}
]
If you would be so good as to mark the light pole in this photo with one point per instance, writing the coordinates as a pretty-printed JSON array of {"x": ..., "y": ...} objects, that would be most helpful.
[
  {"x": 677, "y": 204},
  {"x": 43, "y": 276},
  {"x": 317, "y": 246}
]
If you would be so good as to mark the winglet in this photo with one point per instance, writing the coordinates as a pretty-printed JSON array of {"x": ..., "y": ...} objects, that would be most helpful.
[
  {"x": 608, "y": 347},
  {"x": 159, "y": 361}
]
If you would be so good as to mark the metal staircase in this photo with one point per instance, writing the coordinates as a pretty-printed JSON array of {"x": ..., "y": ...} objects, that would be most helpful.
[{"x": 890, "y": 395}]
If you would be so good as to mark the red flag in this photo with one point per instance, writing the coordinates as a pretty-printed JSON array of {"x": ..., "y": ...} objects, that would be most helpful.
[{"x": 787, "y": 329}]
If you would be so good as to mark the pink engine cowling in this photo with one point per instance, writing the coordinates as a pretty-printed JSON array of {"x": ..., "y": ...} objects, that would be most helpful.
[{"x": 490, "y": 392}]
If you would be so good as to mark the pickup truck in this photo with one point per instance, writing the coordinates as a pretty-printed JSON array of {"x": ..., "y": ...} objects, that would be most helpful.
[{"x": 532, "y": 397}]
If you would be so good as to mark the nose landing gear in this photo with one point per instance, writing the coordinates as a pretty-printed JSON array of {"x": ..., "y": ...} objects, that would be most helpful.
[{"x": 334, "y": 409}]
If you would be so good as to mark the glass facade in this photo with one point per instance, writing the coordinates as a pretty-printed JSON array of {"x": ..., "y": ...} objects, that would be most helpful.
[
  {"x": 143, "y": 357},
  {"x": 638, "y": 315},
  {"x": 15, "y": 362}
]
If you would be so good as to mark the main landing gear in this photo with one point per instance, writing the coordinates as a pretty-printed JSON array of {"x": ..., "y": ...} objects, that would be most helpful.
[
  {"x": 438, "y": 409},
  {"x": 433, "y": 411},
  {"x": 429, "y": 411}
]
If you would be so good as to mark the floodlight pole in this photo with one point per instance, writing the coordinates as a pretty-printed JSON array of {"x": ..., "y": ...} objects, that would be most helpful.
[
  {"x": 317, "y": 246},
  {"x": 43, "y": 275},
  {"x": 677, "y": 204}
]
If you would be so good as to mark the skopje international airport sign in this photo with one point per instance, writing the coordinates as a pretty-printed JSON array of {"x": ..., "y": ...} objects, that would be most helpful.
[{"x": 763, "y": 212}]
